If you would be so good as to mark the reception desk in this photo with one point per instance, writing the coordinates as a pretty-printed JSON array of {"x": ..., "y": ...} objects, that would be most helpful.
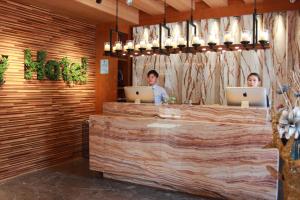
[{"x": 213, "y": 151}]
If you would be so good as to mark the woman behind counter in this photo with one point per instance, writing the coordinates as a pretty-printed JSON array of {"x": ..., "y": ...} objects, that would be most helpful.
[{"x": 254, "y": 80}]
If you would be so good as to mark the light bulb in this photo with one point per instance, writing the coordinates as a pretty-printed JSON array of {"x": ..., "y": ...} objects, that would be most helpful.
[
  {"x": 245, "y": 36},
  {"x": 130, "y": 45},
  {"x": 264, "y": 35},
  {"x": 228, "y": 37},
  {"x": 106, "y": 46},
  {"x": 155, "y": 43},
  {"x": 118, "y": 45}
]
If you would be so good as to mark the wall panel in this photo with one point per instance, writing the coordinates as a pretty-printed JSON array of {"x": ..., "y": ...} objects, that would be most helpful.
[
  {"x": 40, "y": 121},
  {"x": 203, "y": 77}
]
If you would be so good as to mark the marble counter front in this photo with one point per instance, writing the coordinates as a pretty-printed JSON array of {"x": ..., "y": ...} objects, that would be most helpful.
[
  {"x": 211, "y": 151},
  {"x": 211, "y": 113}
]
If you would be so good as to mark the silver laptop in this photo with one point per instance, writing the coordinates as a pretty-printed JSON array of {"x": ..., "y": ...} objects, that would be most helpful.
[
  {"x": 256, "y": 96},
  {"x": 142, "y": 93}
]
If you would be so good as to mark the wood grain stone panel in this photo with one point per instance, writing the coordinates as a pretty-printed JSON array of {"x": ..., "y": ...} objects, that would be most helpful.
[
  {"x": 192, "y": 113},
  {"x": 294, "y": 46},
  {"x": 203, "y": 77},
  {"x": 213, "y": 159},
  {"x": 40, "y": 121}
]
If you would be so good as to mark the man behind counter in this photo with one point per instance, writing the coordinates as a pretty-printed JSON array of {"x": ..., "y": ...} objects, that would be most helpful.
[{"x": 160, "y": 94}]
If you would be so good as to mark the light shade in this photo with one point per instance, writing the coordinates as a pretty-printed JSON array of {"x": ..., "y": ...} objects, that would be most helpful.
[
  {"x": 143, "y": 44},
  {"x": 130, "y": 45},
  {"x": 212, "y": 38},
  {"x": 245, "y": 36},
  {"x": 264, "y": 35},
  {"x": 227, "y": 37},
  {"x": 106, "y": 46},
  {"x": 196, "y": 40},
  {"x": 155, "y": 43},
  {"x": 168, "y": 42},
  {"x": 118, "y": 45},
  {"x": 181, "y": 41}
]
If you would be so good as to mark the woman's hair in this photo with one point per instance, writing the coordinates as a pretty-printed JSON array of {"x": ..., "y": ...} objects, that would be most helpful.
[
  {"x": 254, "y": 74},
  {"x": 152, "y": 72}
]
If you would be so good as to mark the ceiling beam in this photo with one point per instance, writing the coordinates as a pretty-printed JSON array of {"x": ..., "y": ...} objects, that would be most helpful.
[
  {"x": 126, "y": 13},
  {"x": 216, "y": 3},
  {"x": 230, "y": 10},
  {"x": 252, "y": 1},
  {"x": 180, "y": 5},
  {"x": 151, "y": 7}
]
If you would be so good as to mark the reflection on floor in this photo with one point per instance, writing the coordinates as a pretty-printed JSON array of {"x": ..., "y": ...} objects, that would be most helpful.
[{"x": 73, "y": 181}]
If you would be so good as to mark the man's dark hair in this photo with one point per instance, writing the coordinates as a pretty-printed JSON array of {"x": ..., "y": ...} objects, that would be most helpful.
[
  {"x": 153, "y": 72},
  {"x": 254, "y": 74}
]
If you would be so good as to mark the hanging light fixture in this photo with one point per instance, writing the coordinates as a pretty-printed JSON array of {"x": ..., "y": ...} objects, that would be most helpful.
[
  {"x": 263, "y": 37},
  {"x": 167, "y": 45},
  {"x": 117, "y": 48},
  {"x": 168, "y": 40},
  {"x": 195, "y": 41}
]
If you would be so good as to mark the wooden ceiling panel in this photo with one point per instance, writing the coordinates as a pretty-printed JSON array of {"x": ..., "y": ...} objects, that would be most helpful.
[
  {"x": 180, "y": 5},
  {"x": 88, "y": 10},
  {"x": 151, "y": 7},
  {"x": 216, "y": 3},
  {"x": 252, "y": 1},
  {"x": 127, "y": 13},
  {"x": 152, "y": 10}
]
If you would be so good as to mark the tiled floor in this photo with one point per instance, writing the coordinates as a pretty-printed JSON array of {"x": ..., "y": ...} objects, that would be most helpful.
[{"x": 73, "y": 181}]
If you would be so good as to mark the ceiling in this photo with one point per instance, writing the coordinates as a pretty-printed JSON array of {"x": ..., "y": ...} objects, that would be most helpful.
[{"x": 90, "y": 11}]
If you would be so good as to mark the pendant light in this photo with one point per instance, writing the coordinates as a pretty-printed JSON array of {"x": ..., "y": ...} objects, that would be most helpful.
[
  {"x": 117, "y": 48},
  {"x": 167, "y": 45}
]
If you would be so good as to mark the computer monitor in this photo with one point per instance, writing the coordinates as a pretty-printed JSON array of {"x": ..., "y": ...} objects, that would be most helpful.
[
  {"x": 256, "y": 96},
  {"x": 141, "y": 93}
]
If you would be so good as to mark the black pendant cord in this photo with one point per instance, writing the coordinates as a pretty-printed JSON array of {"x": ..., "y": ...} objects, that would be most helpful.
[
  {"x": 165, "y": 12},
  {"x": 190, "y": 22},
  {"x": 192, "y": 18},
  {"x": 116, "y": 30},
  {"x": 256, "y": 24},
  {"x": 165, "y": 20},
  {"x": 254, "y": 34},
  {"x": 192, "y": 13},
  {"x": 163, "y": 25},
  {"x": 117, "y": 15}
]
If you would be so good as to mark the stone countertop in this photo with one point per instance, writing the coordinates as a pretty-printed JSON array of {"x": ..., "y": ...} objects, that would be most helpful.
[{"x": 211, "y": 113}]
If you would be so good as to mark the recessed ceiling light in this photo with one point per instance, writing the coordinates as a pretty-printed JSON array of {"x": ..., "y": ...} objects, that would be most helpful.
[{"x": 129, "y": 2}]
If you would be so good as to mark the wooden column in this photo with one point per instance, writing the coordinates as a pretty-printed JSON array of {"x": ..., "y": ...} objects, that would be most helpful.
[{"x": 107, "y": 84}]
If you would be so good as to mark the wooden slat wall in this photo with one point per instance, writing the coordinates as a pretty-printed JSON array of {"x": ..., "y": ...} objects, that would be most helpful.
[{"x": 40, "y": 121}]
